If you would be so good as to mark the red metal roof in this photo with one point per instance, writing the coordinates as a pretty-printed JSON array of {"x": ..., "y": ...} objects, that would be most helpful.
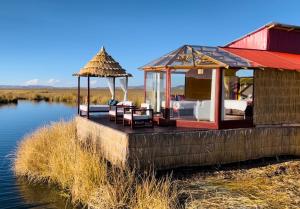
[{"x": 268, "y": 59}]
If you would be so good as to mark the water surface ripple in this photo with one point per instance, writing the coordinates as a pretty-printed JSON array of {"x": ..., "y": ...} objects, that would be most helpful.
[{"x": 15, "y": 122}]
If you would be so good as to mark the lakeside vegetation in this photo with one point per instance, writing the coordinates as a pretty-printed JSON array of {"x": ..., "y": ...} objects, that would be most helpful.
[
  {"x": 98, "y": 96},
  {"x": 52, "y": 155}
]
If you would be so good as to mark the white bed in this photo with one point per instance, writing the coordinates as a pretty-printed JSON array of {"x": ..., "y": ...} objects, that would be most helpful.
[
  {"x": 183, "y": 104},
  {"x": 95, "y": 108}
]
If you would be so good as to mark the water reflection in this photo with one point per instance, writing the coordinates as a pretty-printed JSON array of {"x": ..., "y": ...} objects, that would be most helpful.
[
  {"x": 42, "y": 196},
  {"x": 15, "y": 122}
]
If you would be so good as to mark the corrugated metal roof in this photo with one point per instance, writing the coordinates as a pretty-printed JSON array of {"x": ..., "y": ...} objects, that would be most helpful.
[{"x": 267, "y": 59}]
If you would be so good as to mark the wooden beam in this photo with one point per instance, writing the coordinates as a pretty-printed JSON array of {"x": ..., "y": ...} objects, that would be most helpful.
[
  {"x": 220, "y": 64},
  {"x": 189, "y": 67},
  {"x": 78, "y": 95}
]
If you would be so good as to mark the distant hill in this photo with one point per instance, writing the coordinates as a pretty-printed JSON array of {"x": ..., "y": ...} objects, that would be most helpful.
[
  {"x": 52, "y": 87},
  {"x": 24, "y": 87}
]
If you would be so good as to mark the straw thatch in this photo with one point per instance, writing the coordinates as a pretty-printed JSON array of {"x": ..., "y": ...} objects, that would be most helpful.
[
  {"x": 102, "y": 65},
  {"x": 276, "y": 97}
]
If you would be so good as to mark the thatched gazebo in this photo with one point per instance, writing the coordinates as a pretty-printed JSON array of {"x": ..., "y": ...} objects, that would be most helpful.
[{"x": 104, "y": 66}]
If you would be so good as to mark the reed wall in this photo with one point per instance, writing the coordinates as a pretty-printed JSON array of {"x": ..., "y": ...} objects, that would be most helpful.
[
  {"x": 177, "y": 148},
  {"x": 113, "y": 144},
  {"x": 276, "y": 97},
  {"x": 198, "y": 148}
]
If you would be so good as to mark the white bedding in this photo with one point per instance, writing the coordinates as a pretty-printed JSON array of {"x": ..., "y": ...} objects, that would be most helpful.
[
  {"x": 188, "y": 104},
  {"x": 183, "y": 104},
  {"x": 236, "y": 104},
  {"x": 95, "y": 108}
]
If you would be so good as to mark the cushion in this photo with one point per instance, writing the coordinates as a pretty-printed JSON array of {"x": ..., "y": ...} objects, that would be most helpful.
[
  {"x": 125, "y": 103},
  {"x": 112, "y": 102},
  {"x": 136, "y": 117},
  {"x": 113, "y": 112},
  {"x": 95, "y": 108}
]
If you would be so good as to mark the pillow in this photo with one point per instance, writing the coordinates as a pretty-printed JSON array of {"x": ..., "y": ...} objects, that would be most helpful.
[
  {"x": 180, "y": 97},
  {"x": 127, "y": 103},
  {"x": 114, "y": 102}
]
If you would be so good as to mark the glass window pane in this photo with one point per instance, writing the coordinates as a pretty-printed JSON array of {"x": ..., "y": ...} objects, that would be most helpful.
[
  {"x": 238, "y": 94},
  {"x": 192, "y": 95}
]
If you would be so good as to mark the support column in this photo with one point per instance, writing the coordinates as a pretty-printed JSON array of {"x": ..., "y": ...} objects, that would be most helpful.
[
  {"x": 168, "y": 93},
  {"x": 218, "y": 96},
  {"x": 222, "y": 86},
  {"x": 158, "y": 95},
  {"x": 88, "y": 98},
  {"x": 213, "y": 96},
  {"x": 114, "y": 88},
  {"x": 126, "y": 94},
  {"x": 145, "y": 85},
  {"x": 78, "y": 95}
]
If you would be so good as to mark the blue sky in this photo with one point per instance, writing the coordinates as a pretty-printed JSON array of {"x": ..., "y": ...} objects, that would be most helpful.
[{"x": 45, "y": 41}]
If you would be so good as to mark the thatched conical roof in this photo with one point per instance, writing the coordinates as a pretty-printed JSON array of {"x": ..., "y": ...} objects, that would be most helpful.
[{"x": 102, "y": 65}]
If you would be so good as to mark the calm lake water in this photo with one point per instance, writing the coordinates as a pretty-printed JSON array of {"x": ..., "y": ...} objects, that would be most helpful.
[{"x": 15, "y": 122}]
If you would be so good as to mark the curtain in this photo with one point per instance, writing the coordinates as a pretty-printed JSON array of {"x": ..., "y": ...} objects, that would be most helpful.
[
  {"x": 124, "y": 87},
  {"x": 110, "y": 82}
]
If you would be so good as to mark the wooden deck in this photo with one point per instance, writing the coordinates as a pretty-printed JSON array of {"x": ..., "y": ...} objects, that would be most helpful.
[{"x": 103, "y": 120}]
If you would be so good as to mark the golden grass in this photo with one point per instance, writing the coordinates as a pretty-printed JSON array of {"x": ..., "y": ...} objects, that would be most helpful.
[
  {"x": 99, "y": 96},
  {"x": 52, "y": 155},
  {"x": 271, "y": 186}
]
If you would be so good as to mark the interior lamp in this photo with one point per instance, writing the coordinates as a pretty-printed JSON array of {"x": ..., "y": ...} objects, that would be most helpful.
[{"x": 200, "y": 71}]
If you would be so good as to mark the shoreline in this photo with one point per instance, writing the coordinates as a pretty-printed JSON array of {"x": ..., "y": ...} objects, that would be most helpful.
[{"x": 250, "y": 184}]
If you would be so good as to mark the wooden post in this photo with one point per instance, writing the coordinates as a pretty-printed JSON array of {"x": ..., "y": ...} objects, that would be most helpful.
[
  {"x": 114, "y": 88},
  {"x": 88, "y": 99},
  {"x": 218, "y": 97},
  {"x": 78, "y": 96},
  {"x": 168, "y": 93},
  {"x": 126, "y": 98},
  {"x": 145, "y": 86}
]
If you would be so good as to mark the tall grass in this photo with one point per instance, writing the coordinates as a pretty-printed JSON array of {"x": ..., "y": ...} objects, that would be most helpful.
[
  {"x": 53, "y": 155},
  {"x": 98, "y": 96}
]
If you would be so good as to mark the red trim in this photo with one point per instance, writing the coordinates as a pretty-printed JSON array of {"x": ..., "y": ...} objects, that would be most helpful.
[
  {"x": 196, "y": 124},
  {"x": 168, "y": 93},
  {"x": 218, "y": 97},
  {"x": 145, "y": 85},
  {"x": 164, "y": 122}
]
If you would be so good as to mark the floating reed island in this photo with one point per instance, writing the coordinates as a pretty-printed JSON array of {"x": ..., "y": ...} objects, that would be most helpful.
[
  {"x": 53, "y": 155},
  {"x": 237, "y": 103}
]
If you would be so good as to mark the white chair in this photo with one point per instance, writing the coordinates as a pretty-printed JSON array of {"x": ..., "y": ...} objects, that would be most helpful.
[
  {"x": 116, "y": 112},
  {"x": 138, "y": 116}
]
